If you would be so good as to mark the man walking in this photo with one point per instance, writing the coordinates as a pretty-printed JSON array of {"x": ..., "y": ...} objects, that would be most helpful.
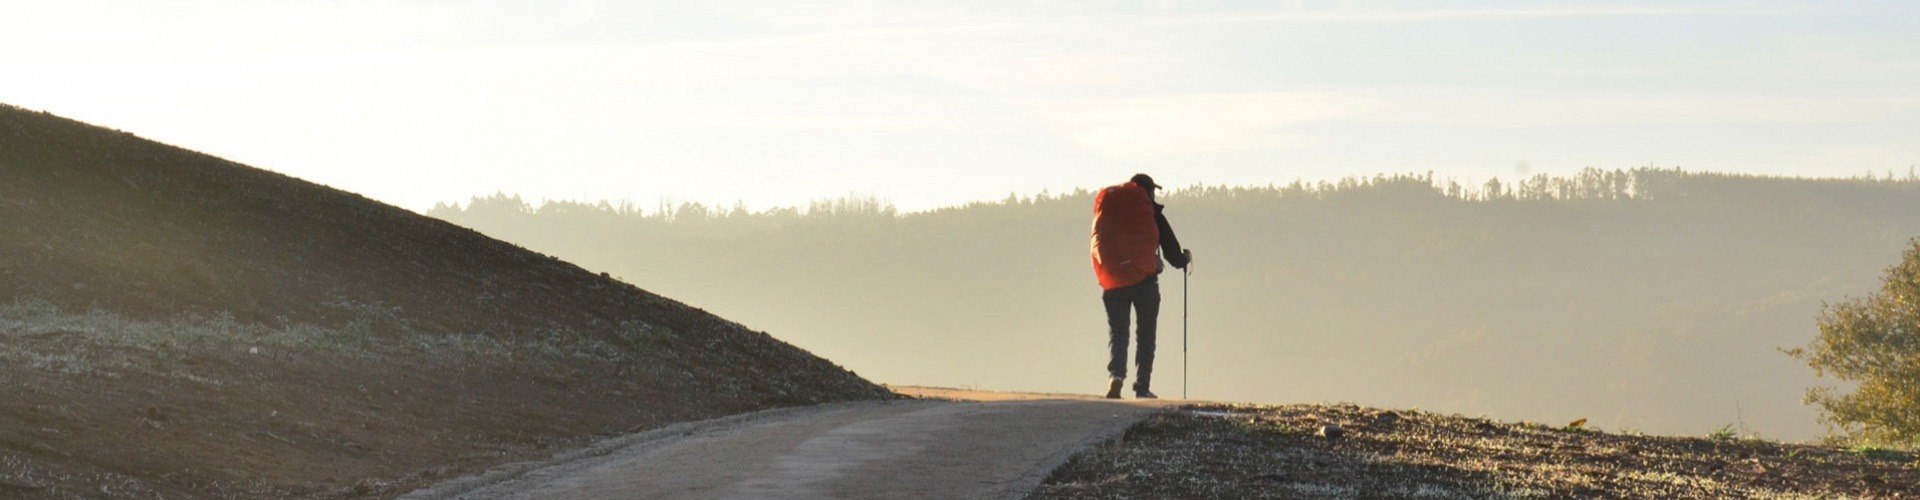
[{"x": 1130, "y": 236}]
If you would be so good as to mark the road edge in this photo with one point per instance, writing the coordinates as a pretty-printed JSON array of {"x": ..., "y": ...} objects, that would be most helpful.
[
  {"x": 1026, "y": 484},
  {"x": 510, "y": 472}
]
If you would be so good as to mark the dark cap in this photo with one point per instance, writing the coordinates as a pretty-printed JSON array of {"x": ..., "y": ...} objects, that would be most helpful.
[{"x": 1144, "y": 181}]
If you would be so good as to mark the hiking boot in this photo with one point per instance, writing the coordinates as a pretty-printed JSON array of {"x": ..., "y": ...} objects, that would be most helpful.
[
  {"x": 1144, "y": 394},
  {"x": 1113, "y": 388}
]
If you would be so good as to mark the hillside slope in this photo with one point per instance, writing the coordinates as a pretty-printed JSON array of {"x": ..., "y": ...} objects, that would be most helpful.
[{"x": 177, "y": 324}]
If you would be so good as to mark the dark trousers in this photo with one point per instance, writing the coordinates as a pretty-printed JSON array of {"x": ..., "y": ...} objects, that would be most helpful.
[{"x": 1144, "y": 299}]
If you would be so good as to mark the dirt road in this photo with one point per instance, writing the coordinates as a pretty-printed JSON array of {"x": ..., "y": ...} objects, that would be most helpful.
[{"x": 968, "y": 445}]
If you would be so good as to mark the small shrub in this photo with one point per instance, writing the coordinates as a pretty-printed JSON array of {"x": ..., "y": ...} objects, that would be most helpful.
[{"x": 1725, "y": 432}]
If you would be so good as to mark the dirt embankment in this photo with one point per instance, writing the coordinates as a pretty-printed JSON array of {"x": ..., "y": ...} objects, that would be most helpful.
[
  {"x": 176, "y": 324},
  {"x": 1225, "y": 451}
]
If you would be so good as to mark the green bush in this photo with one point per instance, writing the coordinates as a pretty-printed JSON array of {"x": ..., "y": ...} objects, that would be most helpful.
[{"x": 1875, "y": 342}]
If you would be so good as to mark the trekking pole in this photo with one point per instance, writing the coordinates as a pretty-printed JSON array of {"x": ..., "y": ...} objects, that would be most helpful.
[{"x": 1184, "y": 273}]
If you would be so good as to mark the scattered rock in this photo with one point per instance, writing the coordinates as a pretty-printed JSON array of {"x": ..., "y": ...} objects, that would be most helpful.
[
  {"x": 1442, "y": 456},
  {"x": 1330, "y": 431}
]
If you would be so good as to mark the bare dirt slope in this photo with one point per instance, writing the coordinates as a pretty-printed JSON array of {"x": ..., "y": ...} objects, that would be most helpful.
[
  {"x": 173, "y": 324},
  {"x": 1240, "y": 451},
  {"x": 965, "y": 445}
]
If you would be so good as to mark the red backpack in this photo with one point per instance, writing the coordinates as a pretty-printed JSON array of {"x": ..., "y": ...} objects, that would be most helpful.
[{"x": 1124, "y": 236}]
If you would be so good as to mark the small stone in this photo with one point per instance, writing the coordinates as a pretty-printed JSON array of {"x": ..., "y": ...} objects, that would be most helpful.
[{"x": 1330, "y": 431}]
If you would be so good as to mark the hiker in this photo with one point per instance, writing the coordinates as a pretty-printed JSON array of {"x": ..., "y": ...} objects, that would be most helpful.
[{"x": 1130, "y": 236}]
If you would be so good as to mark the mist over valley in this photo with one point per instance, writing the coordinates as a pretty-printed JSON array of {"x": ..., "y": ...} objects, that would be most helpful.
[{"x": 1652, "y": 300}]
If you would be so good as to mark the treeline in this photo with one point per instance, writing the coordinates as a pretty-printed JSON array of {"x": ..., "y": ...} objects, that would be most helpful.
[
  {"x": 1654, "y": 299},
  {"x": 1590, "y": 184}
]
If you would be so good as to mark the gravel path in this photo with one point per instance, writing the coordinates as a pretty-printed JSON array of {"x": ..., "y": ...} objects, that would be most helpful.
[{"x": 985, "y": 446}]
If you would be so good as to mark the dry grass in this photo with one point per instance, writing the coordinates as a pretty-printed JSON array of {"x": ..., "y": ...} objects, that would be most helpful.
[
  {"x": 104, "y": 406},
  {"x": 78, "y": 332},
  {"x": 1276, "y": 452}
]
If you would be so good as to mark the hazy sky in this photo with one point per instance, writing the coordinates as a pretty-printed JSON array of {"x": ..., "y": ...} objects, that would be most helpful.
[{"x": 932, "y": 103}]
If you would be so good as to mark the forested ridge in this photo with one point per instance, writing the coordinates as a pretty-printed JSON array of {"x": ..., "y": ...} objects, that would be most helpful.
[{"x": 1647, "y": 299}]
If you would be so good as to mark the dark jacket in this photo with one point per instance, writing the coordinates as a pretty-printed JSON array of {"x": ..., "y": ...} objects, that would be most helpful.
[{"x": 1169, "y": 245}]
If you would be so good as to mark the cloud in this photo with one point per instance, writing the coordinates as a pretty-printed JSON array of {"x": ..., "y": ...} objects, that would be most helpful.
[
  {"x": 789, "y": 23},
  {"x": 587, "y": 10},
  {"x": 88, "y": 30},
  {"x": 1391, "y": 15},
  {"x": 1489, "y": 109},
  {"x": 1143, "y": 129},
  {"x": 862, "y": 13}
]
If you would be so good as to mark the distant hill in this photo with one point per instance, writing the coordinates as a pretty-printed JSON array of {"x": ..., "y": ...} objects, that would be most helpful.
[
  {"x": 1650, "y": 299},
  {"x": 176, "y": 324}
]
